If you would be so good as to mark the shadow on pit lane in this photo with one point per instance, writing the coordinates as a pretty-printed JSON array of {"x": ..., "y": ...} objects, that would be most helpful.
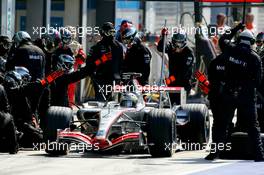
[
  {"x": 169, "y": 160},
  {"x": 200, "y": 161},
  {"x": 95, "y": 155}
]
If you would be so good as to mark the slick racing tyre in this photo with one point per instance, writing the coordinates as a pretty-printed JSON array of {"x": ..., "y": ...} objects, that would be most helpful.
[
  {"x": 161, "y": 132},
  {"x": 197, "y": 131},
  {"x": 56, "y": 118}
]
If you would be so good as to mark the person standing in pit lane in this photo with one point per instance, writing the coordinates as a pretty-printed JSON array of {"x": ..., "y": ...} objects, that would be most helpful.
[
  {"x": 79, "y": 57},
  {"x": 27, "y": 55},
  {"x": 260, "y": 100},
  {"x": 49, "y": 43},
  {"x": 239, "y": 73},
  {"x": 137, "y": 58},
  {"x": 111, "y": 71},
  {"x": 181, "y": 61}
]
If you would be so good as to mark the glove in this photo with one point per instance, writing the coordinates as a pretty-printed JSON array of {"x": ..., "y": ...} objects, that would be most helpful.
[
  {"x": 164, "y": 31},
  {"x": 170, "y": 80},
  {"x": 104, "y": 58},
  {"x": 204, "y": 89},
  {"x": 240, "y": 26},
  {"x": 81, "y": 55},
  {"x": 52, "y": 77},
  {"x": 203, "y": 82},
  {"x": 201, "y": 77}
]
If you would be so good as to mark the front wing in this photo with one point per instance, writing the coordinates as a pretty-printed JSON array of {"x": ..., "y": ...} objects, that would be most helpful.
[{"x": 93, "y": 143}]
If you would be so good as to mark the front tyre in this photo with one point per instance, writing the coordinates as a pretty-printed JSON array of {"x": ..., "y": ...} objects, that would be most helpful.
[
  {"x": 57, "y": 118},
  {"x": 161, "y": 132}
]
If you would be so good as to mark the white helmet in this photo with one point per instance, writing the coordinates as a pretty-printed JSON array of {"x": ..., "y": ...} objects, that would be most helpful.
[
  {"x": 246, "y": 37},
  {"x": 129, "y": 100}
]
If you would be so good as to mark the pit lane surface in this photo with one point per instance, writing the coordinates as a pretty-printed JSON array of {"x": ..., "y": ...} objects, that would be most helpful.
[{"x": 190, "y": 162}]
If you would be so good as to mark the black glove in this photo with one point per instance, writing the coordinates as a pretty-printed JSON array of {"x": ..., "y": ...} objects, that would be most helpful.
[
  {"x": 240, "y": 26},
  {"x": 90, "y": 67}
]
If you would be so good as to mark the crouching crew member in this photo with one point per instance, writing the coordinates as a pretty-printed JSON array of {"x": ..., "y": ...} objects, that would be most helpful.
[{"x": 8, "y": 139}]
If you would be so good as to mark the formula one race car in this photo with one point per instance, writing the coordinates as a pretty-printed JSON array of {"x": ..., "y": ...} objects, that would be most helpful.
[{"x": 128, "y": 123}]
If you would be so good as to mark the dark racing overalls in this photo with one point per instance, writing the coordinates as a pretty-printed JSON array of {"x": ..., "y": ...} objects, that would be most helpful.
[
  {"x": 137, "y": 60},
  {"x": 234, "y": 77},
  {"x": 109, "y": 72},
  {"x": 180, "y": 67},
  {"x": 260, "y": 94},
  {"x": 33, "y": 58},
  {"x": 21, "y": 109},
  {"x": 8, "y": 139}
]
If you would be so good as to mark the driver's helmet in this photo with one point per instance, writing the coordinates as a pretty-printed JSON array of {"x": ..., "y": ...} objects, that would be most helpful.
[{"x": 128, "y": 100}]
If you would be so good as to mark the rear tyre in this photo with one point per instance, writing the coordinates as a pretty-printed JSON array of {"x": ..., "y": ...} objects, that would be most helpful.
[
  {"x": 197, "y": 131},
  {"x": 57, "y": 118},
  {"x": 161, "y": 132}
]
